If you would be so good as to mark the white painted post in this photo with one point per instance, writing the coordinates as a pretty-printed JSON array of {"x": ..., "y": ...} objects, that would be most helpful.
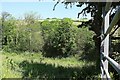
[
  {"x": 105, "y": 45},
  {"x": 106, "y": 41}
]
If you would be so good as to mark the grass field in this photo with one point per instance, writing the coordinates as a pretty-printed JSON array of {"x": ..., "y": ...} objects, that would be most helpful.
[{"x": 34, "y": 65}]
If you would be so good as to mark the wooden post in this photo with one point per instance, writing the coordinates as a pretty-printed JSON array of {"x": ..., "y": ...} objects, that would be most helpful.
[
  {"x": 105, "y": 45},
  {"x": 106, "y": 41},
  {"x": 115, "y": 19}
]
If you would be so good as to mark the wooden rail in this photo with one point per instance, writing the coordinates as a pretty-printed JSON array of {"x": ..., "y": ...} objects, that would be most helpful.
[
  {"x": 116, "y": 18},
  {"x": 105, "y": 31},
  {"x": 114, "y": 64}
]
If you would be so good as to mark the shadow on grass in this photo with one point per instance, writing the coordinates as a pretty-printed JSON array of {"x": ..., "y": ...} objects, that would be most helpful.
[
  {"x": 89, "y": 53},
  {"x": 50, "y": 72}
]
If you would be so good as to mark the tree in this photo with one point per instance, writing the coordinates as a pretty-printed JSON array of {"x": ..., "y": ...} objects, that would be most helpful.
[
  {"x": 95, "y": 9},
  {"x": 62, "y": 38},
  {"x": 7, "y": 20},
  {"x": 29, "y": 33},
  {"x": 4, "y": 15},
  {"x": 31, "y": 17},
  {"x": 21, "y": 35}
]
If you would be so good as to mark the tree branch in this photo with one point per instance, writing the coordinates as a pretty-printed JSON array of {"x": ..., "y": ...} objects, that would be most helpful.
[
  {"x": 56, "y": 5},
  {"x": 83, "y": 11}
]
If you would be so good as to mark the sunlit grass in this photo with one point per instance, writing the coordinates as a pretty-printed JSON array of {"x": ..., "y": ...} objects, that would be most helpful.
[{"x": 11, "y": 69}]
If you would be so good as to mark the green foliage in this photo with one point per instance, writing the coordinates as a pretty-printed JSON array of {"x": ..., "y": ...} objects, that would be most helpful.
[
  {"x": 8, "y": 32},
  {"x": 84, "y": 37},
  {"x": 61, "y": 38},
  {"x": 115, "y": 47},
  {"x": 49, "y": 26},
  {"x": 20, "y": 35},
  {"x": 57, "y": 37},
  {"x": 65, "y": 39},
  {"x": 35, "y": 66}
]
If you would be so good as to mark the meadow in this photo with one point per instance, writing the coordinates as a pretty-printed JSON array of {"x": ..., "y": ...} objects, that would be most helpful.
[
  {"x": 35, "y": 66},
  {"x": 49, "y": 49}
]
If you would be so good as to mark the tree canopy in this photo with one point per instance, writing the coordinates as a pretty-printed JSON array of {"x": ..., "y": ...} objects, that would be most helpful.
[{"x": 95, "y": 9}]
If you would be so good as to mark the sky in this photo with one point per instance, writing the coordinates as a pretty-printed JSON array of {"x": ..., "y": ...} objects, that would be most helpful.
[{"x": 44, "y": 8}]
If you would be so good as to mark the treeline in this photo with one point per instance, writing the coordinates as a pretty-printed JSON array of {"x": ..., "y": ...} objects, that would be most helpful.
[{"x": 52, "y": 37}]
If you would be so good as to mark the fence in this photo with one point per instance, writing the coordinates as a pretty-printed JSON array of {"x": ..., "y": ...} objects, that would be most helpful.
[{"x": 105, "y": 31}]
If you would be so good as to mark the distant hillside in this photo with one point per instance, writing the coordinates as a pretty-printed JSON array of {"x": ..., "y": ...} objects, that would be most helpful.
[{"x": 75, "y": 21}]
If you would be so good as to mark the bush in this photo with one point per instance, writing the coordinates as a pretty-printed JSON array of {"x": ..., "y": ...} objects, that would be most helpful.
[
  {"x": 57, "y": 37},
  {"x": 84, "y": 40},
  {"x": 22, "y": 37},
  {"x": 66, "y": 39}
]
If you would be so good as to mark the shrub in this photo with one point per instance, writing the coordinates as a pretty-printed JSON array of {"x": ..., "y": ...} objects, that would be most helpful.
[{"x": 66, "y": 39}]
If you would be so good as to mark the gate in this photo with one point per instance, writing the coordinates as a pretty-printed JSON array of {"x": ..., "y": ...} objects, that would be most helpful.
[{"x": 105, "y": 31}]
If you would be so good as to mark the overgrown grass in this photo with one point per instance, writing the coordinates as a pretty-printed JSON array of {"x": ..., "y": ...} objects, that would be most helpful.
[{"x": 34, "y": 65}]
